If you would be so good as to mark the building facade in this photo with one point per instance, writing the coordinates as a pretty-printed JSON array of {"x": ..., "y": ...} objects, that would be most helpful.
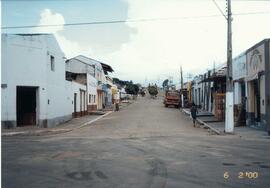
[
  {"x": 239, "y": 73},
  {"x": 77, "y": 92},
  {"x": 75, "y": 67},
  {"x": 197, "y": 88},
  {"x": 99, "y": 75},
  {"x": 258, "y": 87},
  {"x": 33, "y": 81}
]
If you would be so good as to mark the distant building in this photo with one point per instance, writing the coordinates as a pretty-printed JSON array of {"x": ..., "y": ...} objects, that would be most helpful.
[
  {"x": 109, "y": 94},
  {"x": 99, "y": 72},
  {"x": 80, "y": 71},
  {"x": 197, "y": 89},
  {"x": 209, "y": 91}
]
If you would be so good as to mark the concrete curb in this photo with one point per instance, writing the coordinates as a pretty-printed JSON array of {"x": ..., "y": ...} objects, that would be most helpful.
[
  {"x": 36, "y": 133},
  {"x": 203, "y": 123},
  {"x": 53, "y": 131},
  {"x": 94, "y": 120},
  {"x": 185, "y": 111},
  {"x": 208, "y": 126}
]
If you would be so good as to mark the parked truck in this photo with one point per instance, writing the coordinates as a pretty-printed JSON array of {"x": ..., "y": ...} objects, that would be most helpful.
[{"x": 172, "y": 98}]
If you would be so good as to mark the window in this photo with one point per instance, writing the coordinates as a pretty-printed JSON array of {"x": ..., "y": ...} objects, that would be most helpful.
[
  {"x": 90, "y": 98},
  {"x": 94, "y": 98},
  {"x": 52, "y": 63}
]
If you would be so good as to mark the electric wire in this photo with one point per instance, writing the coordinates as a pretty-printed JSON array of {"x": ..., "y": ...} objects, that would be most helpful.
[
  {"x": 219, "y": 9},
  {"x": 127, "y": 21}
]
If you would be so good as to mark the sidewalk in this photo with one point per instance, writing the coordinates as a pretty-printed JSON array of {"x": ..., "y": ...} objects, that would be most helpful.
[
  {"x": 75, "y": 123},
  {"x": 208, "y": 120}
]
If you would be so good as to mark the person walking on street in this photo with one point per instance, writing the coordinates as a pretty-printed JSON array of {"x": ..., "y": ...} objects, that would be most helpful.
[{"x": 194, "y": 112}]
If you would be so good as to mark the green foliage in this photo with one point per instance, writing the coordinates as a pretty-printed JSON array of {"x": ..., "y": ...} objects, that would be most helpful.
[
  {"x": 165, "y": 83},
  {"x": 120, "y": 82},
  {"x": 132, "y": 89},
  {"x": 128, "y": 85},
  {"x": 152, "y": 89}
]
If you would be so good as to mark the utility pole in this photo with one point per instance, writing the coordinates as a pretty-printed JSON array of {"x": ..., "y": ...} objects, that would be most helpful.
[
  {"x": 229, "y": 122},
  {"x": 182, "y": 87}
]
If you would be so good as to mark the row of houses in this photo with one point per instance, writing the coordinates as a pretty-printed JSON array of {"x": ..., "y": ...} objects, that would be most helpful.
[
  {"x": 251, "y": 78},
  {"x": 39, "y": 86}
]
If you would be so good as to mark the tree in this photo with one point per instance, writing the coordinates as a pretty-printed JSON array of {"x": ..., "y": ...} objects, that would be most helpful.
[
  {"x": 153, "y": 91},
  {"x": 165, "y": 83},
  {"x": 132, "y": 89},
  {"x": 116, "y": 80}
]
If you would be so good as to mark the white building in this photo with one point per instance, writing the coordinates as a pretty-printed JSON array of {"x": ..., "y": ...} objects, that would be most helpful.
[
  {"x": 33, "y": 82},
  {"x": 123, "y": 94},
  {"x": 258, "y": 87},
  {"x": 239, "y": 73},
  {"x": 197, "y": 92},
  {"x": 82, "y": 72},
  {"x": 208, "y": 91},
  {"x": 109, "y": 93},
  {"x": 100, "y": 72},
  {"x": 77, "y": 92}
]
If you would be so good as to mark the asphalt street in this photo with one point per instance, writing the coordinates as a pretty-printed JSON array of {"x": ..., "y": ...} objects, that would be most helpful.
[{"x": 144, "y": 145}]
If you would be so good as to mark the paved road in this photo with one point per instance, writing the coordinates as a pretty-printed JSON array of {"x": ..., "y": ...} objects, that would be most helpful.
[{"x": 144, "y": 145}]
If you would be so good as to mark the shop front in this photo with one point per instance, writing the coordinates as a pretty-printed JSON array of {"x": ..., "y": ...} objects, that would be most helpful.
[
  {"x": 258, "y": 91},
  {"x": 239, "y": 74}
]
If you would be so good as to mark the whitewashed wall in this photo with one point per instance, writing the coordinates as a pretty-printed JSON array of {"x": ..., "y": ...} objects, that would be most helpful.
[
  {"x": 81, "y": 64},
  {"x": 56, "y": 92},
  {"x": 92, "y": 89},
  {"x": 99, "y": 73},
  {"x": 74, "y": 87},
  {"x": 26, "y": 62},
  {"x": 77, "y": 66},
  {"x": 239, "y": 68},
  {"x": 198, "y": 86},
  {"x": 22, "y": 60},
  {"x": 237, "y": 93}
]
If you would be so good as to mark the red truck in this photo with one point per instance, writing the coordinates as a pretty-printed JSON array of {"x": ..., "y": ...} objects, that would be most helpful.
[{"x": 172, "y": 98}]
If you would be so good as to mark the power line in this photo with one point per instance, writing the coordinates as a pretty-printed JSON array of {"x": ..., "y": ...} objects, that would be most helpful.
[
  {"x": 250, "y": 13},
  {"x": 220, "y": 9},
  {"x": 110, "y": 22},
  {"x": 126, "y": 21}
]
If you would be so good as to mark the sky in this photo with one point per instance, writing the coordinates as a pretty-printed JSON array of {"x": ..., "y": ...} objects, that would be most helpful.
[{"x": 194, "y": 36}]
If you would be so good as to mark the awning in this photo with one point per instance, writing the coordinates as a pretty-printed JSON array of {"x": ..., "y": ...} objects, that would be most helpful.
[
  {"x": 106, "y": 68},
  {"x": 214, "y": 79}
]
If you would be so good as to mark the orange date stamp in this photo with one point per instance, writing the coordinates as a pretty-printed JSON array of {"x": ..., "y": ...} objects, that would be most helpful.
[{"x": 243, "y": 175}]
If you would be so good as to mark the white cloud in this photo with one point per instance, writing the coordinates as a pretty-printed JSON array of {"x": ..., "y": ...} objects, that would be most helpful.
[
  {"x": 70, "y": 48},
  {"x": 47, "y": 17},
  {"x": 158, "y": 49}
]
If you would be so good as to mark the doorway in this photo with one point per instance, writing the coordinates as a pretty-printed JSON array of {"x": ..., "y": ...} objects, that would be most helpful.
[
  {"x": 257, "y": 104},
  {"x": 26, "y": 103},
  {"x": 241, "y": 118},
  {"x": 82, "y": 103},
  {"x": 243, "y": 93},
  {"x": 75, "y": 105}
]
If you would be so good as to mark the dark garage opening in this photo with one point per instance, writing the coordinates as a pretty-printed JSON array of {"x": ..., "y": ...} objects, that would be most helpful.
[{"x": 26, "y": 106}]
